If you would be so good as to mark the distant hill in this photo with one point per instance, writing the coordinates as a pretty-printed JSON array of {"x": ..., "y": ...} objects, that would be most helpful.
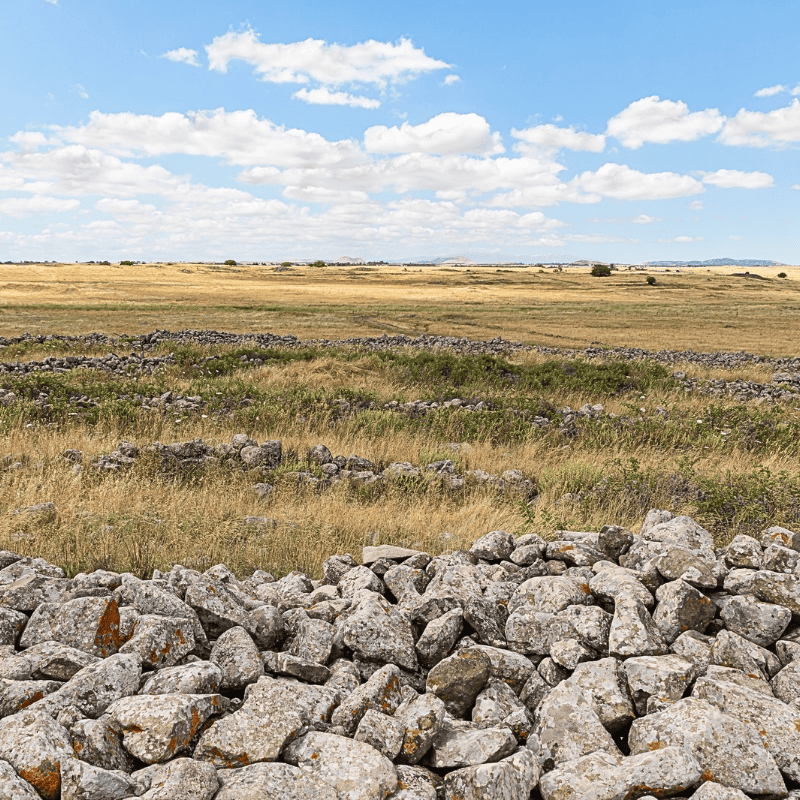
[{"x": 718, "y": 262}]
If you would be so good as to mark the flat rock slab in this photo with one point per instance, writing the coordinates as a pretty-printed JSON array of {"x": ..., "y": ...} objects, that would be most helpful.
[{"x": 371, "y": 554}]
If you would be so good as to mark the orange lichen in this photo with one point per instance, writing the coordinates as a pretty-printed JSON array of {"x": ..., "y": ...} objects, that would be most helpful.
[
  {"x": 46, "y": 780},
  {"x": 707, "y": 775},
  {"x": 32, "y": 699},
  {"x": 107, "y": 637}
]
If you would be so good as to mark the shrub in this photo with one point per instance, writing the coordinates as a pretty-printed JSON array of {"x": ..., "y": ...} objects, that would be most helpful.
[
  {"x": 317, "y": 264},
  {"x": 230, "y": 263},
  {"x": 781, "y": 274},
  {"x": 651, "y": 280},
  {"x": 126, "y": 263},
  {"x": 286, "y": 263},
  {"x": 601, "y": 270}
]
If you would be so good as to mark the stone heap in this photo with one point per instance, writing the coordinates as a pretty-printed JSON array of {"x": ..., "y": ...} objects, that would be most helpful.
[{"x": 602, "y": 665}]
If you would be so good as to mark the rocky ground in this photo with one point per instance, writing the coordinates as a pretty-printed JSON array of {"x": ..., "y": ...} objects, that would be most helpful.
[{"x": 597, "y": 665}]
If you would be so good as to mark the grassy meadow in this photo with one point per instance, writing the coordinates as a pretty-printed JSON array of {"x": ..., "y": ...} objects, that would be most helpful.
[{"x": 735, "y": 466}]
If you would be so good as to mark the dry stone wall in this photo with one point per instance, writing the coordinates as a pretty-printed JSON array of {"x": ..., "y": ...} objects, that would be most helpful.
[{"x": 601, "y": 665}]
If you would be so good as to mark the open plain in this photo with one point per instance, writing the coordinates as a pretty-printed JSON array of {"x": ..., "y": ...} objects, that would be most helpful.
[{"x": 398, "y": 534}]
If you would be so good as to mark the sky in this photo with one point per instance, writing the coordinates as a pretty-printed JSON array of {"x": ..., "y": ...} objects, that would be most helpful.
[{"x": 531, "y": 131}]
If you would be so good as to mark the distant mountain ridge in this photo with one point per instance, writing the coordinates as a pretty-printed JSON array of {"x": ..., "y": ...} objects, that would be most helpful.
[{"x": 718, "y": 262}]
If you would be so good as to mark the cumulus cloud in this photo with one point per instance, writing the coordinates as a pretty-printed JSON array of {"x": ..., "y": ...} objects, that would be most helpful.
[
  {"x": 182, "y": 55},
  {"x": 736, "y": 179},
  {"x": 661, "y": 121},
  {"x": 451, "y": 79},
  {"x": 38, "y": 204},
  {"x": 551, "y": 138},
  {"x": 323, "y": 96},
  {"x": 763, "y": 129},
  {"x": 444, "y": 133},
  {"x": 623, "y": 183},
  {"x": 645, "y": 219},
  {"x": 370, "y": 62},
  {"x": 770, "y": 91},
  {"x": 239, "y": 137}
]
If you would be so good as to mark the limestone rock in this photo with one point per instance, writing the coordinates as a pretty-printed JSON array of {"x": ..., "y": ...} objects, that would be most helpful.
[
  {"x": 82, "y": 781},
  {"x": 512, "y": 778},
  {"x": 777, "y": 724},
  {"x": 199, "y": 677},
  {"x": 354, "y": 769},
  {"x": 237, "y": 656},
  {"x": 456, "y": 680},
  {"x": 633, "y": 632},
  {"x": 727, "y": 749},
  {"x": 274, "y": 713},
  {"x": 567, "y": 727},
  {"x": 380, "y": 693},
  {"x": 180, "y": 779},
  {"x": 155, "y": 728},
  {"x": 605, "y": 684},
  {"x": 759, "y": 622},
  {"x": 461, "y": 745},
  {"x": 682, "y": 607},
  {"x": 36, "y": 745},
  {"x": 664, "y": 677},
  {"x": 382, "y": 732},
  {"x": 265, "y": 781}
]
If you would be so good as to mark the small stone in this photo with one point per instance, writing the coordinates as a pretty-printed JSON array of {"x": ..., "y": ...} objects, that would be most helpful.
[
  {"x": 237, "y": 656},
  {"x": 633, "y": 632},
  {"x": 438, "y": 638},
  {"x": 380, "y": 693},
  {"x": 663, "y": 677},
  {"x": 382, "y": 732},
  {"x": 180, "y": 779},
  {"x": 681, "y": 607},
  {"x": 512, "y": 778},
  {"x": 463, "y": 745},
  {"x": 759, "y": 622}
]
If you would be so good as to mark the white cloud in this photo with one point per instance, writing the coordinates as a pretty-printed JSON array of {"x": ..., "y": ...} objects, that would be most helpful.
[
  {"x": 239, "y": 137},
  {"x": 736, "y": 179},
  {"x": 684, "y": 239},
  {"x": 697, "y": 205},
  {"x": 623, "y": 183},
  {"x": 763, "y": 129},
  {"x": 451, "y": 79},
  {"x": 645, "y": 219},
  {"x": 444, "y": 133},
  {"x": 369, "y": 62},
  {"x": 52, "y": 2},
  {"x": 182, "y": 55},
  {"x": 736, "y": 238},
  {"x": 80, "y": 91},
  {"x": 654, "y": 120},
  {"x": 551, "y": 138},
  {"x": 770, "y": 91},
  {"x": 322, "y": 96},
  {"x": 28, "y": 140},
  {"x": 30, "y": 206}
]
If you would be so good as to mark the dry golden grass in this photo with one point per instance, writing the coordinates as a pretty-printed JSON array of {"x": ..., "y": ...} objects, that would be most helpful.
[
  {"x": 142, "y": 519},
  {"x": 696, "y": 309}
]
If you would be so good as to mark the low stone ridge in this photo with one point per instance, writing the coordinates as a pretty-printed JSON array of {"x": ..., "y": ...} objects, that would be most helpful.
[{"x": 601, "y": 665}]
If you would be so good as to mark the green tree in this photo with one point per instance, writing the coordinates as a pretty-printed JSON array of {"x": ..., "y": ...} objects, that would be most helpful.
[
  {"x": 781, "y": 274},
  {"x": 651, "y": 280},
  {"x": 601, "y": 270},
  {"x": 230, "y": 263}
]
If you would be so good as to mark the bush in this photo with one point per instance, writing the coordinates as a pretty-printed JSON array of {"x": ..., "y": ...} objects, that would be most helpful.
[
  {"x": 317, "y": 264},
  {"x": 230, "y": 263},
  {"x": 651, "y": 280},
  {"x": 781, "y": 274},
  {"x": 126, "y": 263},
  {"x": 601, "y": 270}
]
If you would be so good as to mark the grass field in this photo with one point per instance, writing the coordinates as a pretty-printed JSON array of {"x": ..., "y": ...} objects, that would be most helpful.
[
  {"x": 733, "y": 465},
  {"x": 696, "y": 309}
]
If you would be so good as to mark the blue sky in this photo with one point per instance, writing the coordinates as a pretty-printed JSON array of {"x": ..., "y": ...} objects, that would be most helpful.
[{"x": 202, "y": 130}]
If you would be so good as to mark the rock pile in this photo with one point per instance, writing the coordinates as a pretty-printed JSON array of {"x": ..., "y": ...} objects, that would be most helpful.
[
  {"x": 599, "y": 665},
  {"x": 320, "y": 469}
]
